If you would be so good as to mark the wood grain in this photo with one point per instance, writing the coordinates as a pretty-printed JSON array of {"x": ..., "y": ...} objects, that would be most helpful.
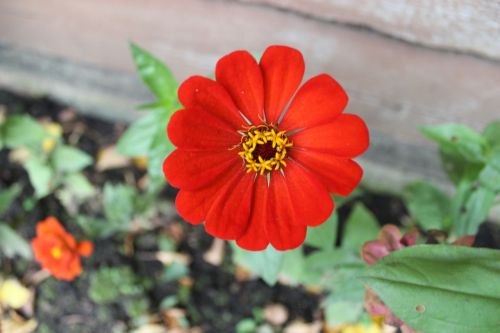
[
  {"x": 462, "y": 25},
  {"x": 395, "y": 86}
]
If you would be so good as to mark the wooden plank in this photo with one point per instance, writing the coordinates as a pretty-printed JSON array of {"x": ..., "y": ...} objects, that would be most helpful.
[
  {"x": 394, "y": 86},
  {"x": 462, "y": 25}
]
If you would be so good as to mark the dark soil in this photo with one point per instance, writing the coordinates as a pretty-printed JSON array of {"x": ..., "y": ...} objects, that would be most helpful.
[{"x": 217, "y": 300}]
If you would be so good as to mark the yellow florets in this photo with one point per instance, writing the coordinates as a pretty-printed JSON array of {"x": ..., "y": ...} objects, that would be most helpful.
[{"x": 264, "y": 148}]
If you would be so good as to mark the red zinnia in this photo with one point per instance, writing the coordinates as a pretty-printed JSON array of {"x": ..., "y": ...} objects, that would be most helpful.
[
  {"x": 57, "y": 251},
  {"x": 253, "y": 169}
]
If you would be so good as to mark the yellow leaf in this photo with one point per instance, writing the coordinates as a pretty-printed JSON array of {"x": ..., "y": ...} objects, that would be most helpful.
[{"x": 13, "y": 294}]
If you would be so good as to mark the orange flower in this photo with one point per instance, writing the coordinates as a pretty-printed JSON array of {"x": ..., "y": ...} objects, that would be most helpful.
[{"x": 57, "y": 250}]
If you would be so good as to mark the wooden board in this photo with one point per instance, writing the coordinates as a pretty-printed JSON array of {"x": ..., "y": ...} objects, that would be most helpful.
[
  {"x": 461, "y": 25},
  {"x": 77, "y": 51}
]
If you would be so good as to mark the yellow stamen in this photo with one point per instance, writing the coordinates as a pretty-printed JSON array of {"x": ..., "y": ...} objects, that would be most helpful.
[
  {"x": 251, "y": 146},
  {"x": 56, "y": 252}
]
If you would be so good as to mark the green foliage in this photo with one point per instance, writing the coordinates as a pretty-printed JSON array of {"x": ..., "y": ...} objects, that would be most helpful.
[
  {"x": 155, "y": 75},
  {"x": 22, "y": 130},
  {"x": 70, "y": 159},
  {"x": 11, "y": 244},
  {"x": 361, "y": 226},
  {"x": 111, "y": 284},
  {"x": 325, "y": 235},
  {"x": 472, "y": 162},
  {"x": 41, "y": 177},
  {"x": 428, "y": 205},
  {"x": 266, "y": 263},
  {"x": 146, "y": 137},
  {"x": 47, "y": 160},
  {"x": 8, "y": 196},
  {"x": 125, "y": 209},
  {"x": 424, "y": 284}
]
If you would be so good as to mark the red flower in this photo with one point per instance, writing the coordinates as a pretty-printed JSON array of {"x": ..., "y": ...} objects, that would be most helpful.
[
  {"x": 57, "y": 251},
  {"x": 251, "y": 171}
]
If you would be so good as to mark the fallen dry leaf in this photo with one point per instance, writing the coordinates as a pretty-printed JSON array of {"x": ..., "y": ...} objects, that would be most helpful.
[
  {"x": 301, "y": 327},
  {"x": 109, "y": 158},
  {"x": 215, "y": 255},
  {"x": 18, "y": 325},
  {"x": 275, "y": 314}
]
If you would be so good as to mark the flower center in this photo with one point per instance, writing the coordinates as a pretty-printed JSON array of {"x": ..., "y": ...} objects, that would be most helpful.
[
  {"x": 264, "y": 148},
  {"x": 56, "y": 252}
]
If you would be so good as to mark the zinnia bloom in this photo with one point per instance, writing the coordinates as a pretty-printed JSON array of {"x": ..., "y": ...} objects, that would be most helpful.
[
  {"x": 253, "y": 163},
  {"x": 57, "y": 250}
]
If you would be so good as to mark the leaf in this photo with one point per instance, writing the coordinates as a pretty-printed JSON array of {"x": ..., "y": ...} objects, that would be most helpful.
[
  {"x": 11, "y": 244},
  {"x": 13, "y": 294},
  {"x": 342, "y": 312},
  {"x": 266, "y": 263},
  {"x": 458, "y": 140},
  {"x": 325, "y": 235},
  {"x": 425, "y": 284},
  {"x": 160, "y": 148},
  {"x": 428, "y": 205},
  {"x": 477, "y": 207},
  {"x": 22, "y": 131},
  {"x": 156, "y": 75},
  {"x": 492, "y": 134},
  {"x": 361, "y": 226},
  {"x": 41, "y": 177},
  {"x": 8, "y": 196},
  {"x": 490, "y": 175},
  {"x": 138, "y": 137},
  {"x": 119, "y": 203},
  {"x": 70, "y": 159}
]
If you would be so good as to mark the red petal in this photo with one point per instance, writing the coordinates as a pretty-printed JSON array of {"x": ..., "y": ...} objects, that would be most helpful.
[
  {"x": 50, "y": 226},
  {"x": 229, "y": 214},
  {"x": 190, "y": 170},
  {"x": 319, "y": 100},
  {"x": 255, "y": 237},
  {"x": 339, "y": 175},
  {"x": 85, "y": 248},
  {"x": 282, "y": 70},
  {"x": 346, "y": 136},
  {"x": 312, "y": 202},
  {"x": 198, "y": 129},
  {"x": 193, "y": 205},
  {"x": 203, "y": 93},
  {"x": 240, "y": 74},
  {"x": 284, "y": 229}
]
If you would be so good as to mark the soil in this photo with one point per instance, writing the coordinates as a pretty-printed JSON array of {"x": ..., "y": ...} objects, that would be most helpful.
[{"x": 215, "y": 291}]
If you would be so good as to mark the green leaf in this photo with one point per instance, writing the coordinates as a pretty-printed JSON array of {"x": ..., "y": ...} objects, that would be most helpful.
[
  {"x": 11, "y": 244},
  {"x": 79, "y": 186},
  {"x": 361, "y": 226},
  {"x": 266, "y": 263},
  {"x": 41, "y": 177},
  {"x": 156, "y": 75},
  {"x": 119, "y": 203},
  {"x": 458, "y": 140},
  {"x": 139, "y": 136},
  {"x": 428, "y": 205},
  {"x": 492, "y": 134},
  {"x": 109, "y": 284},
  {"x": 70, "y": 159},
  {"x": 441, "y": 288},
  {"x": 343, "y": 312},
  {"x": 160, "y": 148},
  {"x": 8, "y": 196},
  {"x": 22, "y": 131},
  {"x": 490, "y": 175},
  {"x": 325, "y": 235},
  {"x": 477, "y": 207},
  {"x": 459, "y": 169}
]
